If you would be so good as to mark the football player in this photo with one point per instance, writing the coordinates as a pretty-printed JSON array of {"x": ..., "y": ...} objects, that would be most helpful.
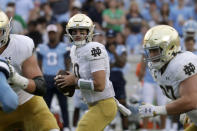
[
  {"x": 91, "y": 75},
  {"x": 174, "y": 70},
  {"x": 26, "y": 80}
]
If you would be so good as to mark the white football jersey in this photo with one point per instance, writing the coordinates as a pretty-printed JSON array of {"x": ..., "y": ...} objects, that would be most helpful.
[
  {"x": 182, "y": 66},
  {"x": 18, "y": 50},
  {"x": 87, "y": 59}
]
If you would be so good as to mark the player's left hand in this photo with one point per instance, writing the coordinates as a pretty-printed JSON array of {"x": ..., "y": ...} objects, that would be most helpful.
[{"x": 65, "y": 80}]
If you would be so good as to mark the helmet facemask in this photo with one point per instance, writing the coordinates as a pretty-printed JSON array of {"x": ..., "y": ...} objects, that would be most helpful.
[
  {"x": 156, "y": 60},
  {"x": 84, "y": 38},
  {"x": 4, "y": 33}
]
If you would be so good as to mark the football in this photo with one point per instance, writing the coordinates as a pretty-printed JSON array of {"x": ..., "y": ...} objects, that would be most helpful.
[{"x": 68, "y": 90}]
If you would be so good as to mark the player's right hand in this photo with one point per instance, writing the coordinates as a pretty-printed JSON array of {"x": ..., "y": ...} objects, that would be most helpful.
[{"x": 66, "y": 90}]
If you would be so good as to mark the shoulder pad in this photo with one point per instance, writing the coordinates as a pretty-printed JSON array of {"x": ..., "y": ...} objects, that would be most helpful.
[{"x": 95, "y": 50}]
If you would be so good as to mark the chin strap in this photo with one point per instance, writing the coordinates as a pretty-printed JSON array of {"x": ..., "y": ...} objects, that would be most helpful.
[{"x": 79, "y": 43}]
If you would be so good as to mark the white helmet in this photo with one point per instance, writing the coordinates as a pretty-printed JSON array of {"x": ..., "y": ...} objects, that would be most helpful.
[
  {"x": 5, "y": 28},
  {"x": 80, "y": 21},
  {"x": 190, "y": 29}
]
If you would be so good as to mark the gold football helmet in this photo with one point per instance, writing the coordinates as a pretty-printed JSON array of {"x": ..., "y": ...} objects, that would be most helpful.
[
  {"x": 4, "y": 28},
  {"x": 165, "y": 41},
  {"x": 80, "y": 21}
]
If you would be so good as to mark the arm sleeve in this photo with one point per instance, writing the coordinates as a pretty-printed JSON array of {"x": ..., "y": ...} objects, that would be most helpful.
[{"x": 8, "y": 97}]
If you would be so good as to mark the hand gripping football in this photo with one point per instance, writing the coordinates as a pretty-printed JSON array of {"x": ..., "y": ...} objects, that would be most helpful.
[{"x": 68, "y": 90}]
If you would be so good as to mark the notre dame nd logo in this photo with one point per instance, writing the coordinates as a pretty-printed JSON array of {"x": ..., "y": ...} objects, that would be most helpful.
[
  {"x": 96, "y": 51},
  {"x": 189, "y": 69}
]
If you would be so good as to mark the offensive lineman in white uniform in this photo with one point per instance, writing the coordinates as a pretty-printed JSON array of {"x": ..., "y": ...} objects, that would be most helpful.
[
  {"x": 91, "y": 67},
  {"x": 174, "y": 71},
  {"x": 26, "y": 80}
]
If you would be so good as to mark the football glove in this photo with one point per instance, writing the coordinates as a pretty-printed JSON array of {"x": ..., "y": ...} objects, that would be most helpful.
[
  {"x": 148, "y": 110},
  {"x": 184, "y": 119},
  {"x": 16, "y": 79}
]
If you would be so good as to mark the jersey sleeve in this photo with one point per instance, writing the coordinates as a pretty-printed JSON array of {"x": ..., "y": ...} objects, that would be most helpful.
[
  {"x": 23, "y": 47},
  {"x": 28, "y": 47},
  {"x": 95, "y": 51},
  {"x": 186, "y": 67},
  {"x": 97, "y": 56},
  {"x": 97, "y": 65}
]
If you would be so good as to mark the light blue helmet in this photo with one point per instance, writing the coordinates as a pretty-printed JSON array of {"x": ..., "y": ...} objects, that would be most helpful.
[{"x": 190, "y": 29}]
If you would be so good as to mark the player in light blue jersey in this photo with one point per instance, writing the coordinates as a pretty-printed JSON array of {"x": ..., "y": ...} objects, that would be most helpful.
[
  {"x": 8, "y": 98},
  {"x": 53, "y": 57}
]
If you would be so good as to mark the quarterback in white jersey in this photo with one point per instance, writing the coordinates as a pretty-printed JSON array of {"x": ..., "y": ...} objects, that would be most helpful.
[
  {"x": 174, "y": 71},
  {"x": 26, "y": 80},
  {"x": 91, "y": 68}
]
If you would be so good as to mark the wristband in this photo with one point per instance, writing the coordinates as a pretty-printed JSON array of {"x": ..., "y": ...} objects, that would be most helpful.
[
  {"x": 20, "y": 81},
  {"x": 85, "y": 84},
  {"x": 160, "y": 110}
]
